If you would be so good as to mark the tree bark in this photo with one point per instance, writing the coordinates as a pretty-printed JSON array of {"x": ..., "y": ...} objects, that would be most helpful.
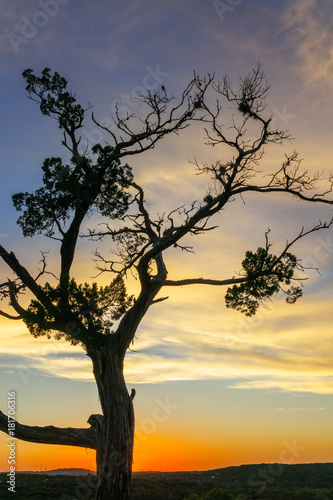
[
  {"x": 52, "y": 435},
  {"x": 115, "y": 436},
  {"x": 111, "y": 434}
]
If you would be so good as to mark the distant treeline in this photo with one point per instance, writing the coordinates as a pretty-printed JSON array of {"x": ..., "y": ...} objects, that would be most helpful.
[{"x": 246, "y": 482}]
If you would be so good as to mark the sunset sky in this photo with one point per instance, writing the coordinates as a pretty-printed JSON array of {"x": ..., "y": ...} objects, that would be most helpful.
[{"x": 213, "y": 388}]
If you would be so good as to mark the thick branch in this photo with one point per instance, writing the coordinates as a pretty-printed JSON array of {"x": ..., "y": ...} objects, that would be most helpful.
[
  {"x": 13, "y": 300},
  {"x": 234, "y": 281},
  {"x": 19, "y": 270},
  {"x": 9, "y": 316},
  {"x": 51, "y": 435},
  {"x": 203, "y": 281},
  {"x": 147, "y": 222}
]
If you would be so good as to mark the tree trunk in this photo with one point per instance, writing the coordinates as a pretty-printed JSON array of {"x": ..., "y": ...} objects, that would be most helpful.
[
  {"x": 115, "y": 433},
  {"x": 111, "y": 434}
]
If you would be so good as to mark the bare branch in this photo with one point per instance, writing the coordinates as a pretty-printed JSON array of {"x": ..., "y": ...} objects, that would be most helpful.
[
  {"x": 321, "y": 225},
  {"x": 9, "y": 316},
  {"x": 147, "y": 223},
  {"x": 162, "y": 299},
  {"x": 43, "y": 270},
  {"x": 204, "y": 281},
  {"x": 19, "y": 270},
  {"x": 69, "y": 436},
  {"x": 13, "y": 299},
  {"x": 233, "y": 281},
  {"x": 161, "y": 119}
]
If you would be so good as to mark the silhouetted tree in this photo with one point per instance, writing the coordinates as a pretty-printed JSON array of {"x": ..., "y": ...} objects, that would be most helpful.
[{"x": 95, "y": 180}]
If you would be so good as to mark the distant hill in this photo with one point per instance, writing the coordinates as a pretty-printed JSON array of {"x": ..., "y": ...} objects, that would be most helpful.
[
  {"x": 239, "y": 474},
  {"x": 255, "y": 481},
  {"x": 61, "y": 472}
]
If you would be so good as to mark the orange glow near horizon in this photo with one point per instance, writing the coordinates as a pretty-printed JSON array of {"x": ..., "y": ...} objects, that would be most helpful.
[
  {"x": 214, "y": 388},
  {"x": 167, "y": 454},
  {"x": 36, "y": 457}
]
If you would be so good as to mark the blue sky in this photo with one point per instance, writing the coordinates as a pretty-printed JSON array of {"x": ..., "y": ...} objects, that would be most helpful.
[{"x": 278, "y": 364}]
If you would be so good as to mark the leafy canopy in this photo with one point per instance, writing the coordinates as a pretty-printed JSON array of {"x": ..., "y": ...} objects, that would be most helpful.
[
  {"x": 79, "y": 313},
  {"x": 265, "y": 274},
  {"x": 54, "y": 99},
  {"x": 69, "y": 188},
  {"x": 95, "y": 181}
]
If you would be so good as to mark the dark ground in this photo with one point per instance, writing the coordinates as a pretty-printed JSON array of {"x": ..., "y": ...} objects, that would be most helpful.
[{"x": 246, "y": 482}]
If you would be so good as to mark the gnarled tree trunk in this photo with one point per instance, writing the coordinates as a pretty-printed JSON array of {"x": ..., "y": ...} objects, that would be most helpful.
[
  {"x": 115, "y": 429},
  {"x": 110, "y": 434}
]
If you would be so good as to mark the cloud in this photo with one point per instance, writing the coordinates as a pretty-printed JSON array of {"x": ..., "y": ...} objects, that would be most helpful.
[
  {"x": 22, "y": 22},
  {"x": 301, "y": 409},
  {"x": 306, "y": 383},
  {"x": 308, "y": 28},
  {"x": 192, "y": 337}
]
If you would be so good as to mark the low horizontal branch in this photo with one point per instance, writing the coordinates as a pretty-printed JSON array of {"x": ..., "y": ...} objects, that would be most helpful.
[{"x": 69, "y": 436}]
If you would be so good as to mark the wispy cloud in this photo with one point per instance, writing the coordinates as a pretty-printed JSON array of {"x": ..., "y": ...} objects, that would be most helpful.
[
  {"x": 192, "y": 336},
  {"x": 199, "y": 343},
  {"x": 22, "y": 22},
  {"x": 305, "y": 383},
  {"x": 309, "y": 33},
  {"x": 301, "y": 409}
]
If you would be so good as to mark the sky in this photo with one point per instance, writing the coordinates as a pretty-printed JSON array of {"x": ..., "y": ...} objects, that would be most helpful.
[{"x": 213, "y": 388}]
